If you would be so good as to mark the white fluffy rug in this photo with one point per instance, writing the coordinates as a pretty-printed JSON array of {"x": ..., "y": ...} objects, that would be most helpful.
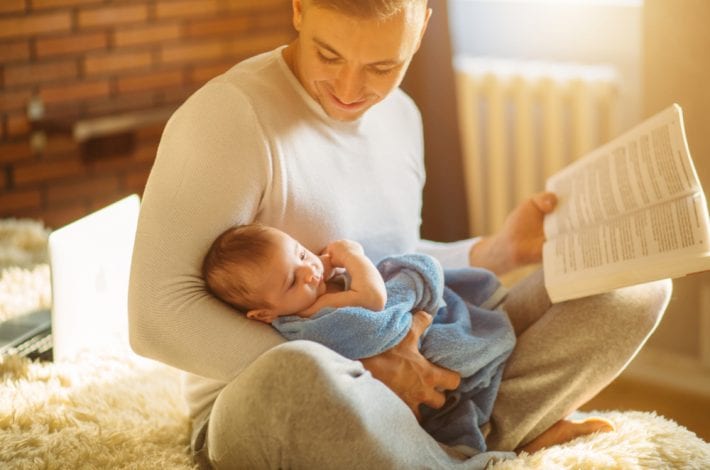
[
  {"x": 24, "y": 273},
  {"x": 125, "y": 412},
  {"x": 641, "y": 441},
  {"x": 95, "y": 413}
]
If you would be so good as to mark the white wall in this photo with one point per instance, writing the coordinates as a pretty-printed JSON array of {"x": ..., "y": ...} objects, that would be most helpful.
[
  {"x": 676, "y": 68},
  {"x": 591, "y": 32}
]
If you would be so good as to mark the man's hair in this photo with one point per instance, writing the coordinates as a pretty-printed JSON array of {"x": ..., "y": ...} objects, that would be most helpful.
[
  {"x": 239, "y": 251},
  {"x": 380, "y": 9}
]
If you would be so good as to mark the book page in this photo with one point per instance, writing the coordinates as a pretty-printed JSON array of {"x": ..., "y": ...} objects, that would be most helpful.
[
  {"x": 631, "y": 211},
  {"x": 668, "y": 228},
  {"x": 647, "y": 165}
]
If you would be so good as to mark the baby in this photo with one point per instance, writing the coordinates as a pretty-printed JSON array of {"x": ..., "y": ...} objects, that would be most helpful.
[
  {"x": 266, "y": 274},
  {"x": 340, "y": 299}
]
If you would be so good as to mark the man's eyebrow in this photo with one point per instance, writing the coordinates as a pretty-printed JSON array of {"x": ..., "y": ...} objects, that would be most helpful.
[
  {"x": 329, "y": 48},
  {"x": 325, "y": 45}
]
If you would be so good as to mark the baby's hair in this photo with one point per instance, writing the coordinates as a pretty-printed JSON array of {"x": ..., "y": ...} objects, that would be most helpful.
[{"x": 237, "y": 251}]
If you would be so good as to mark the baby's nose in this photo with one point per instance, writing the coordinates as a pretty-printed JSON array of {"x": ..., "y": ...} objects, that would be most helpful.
[
  {"x": 313, "y": 277},
  {"x": 309, "y": 274}
]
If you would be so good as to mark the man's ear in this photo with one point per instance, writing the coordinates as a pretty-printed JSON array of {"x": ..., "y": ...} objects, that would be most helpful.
[
  {"x": 424, "y": 27},
  {"x": 262, "y": 314},
  {"x": 297, "y": 14}
]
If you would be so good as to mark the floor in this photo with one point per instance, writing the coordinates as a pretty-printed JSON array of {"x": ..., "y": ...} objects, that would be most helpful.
[{"x": 690, "y": 410}]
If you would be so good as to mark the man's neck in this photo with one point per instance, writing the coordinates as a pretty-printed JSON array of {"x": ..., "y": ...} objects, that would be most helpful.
[{"x": 289, "y": 55}]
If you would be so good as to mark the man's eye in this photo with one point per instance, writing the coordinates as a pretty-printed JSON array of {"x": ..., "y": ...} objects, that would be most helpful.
[
  {"x": 327, "y": 60},
  {"x": 382, "y": 71}
]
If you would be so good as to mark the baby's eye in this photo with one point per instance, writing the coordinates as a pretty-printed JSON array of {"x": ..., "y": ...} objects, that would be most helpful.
[{"x": 302, "y": 255}]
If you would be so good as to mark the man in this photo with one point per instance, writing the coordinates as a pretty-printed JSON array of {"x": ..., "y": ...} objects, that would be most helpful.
[{"x": 316, "y": 139}]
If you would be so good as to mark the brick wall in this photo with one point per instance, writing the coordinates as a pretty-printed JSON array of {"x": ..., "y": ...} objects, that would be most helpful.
[{"x": 90, "y": 58}]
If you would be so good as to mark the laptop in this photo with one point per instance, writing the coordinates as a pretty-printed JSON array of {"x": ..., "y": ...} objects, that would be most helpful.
[
  {"x": 28, "y": 335},
  {"x": 90, "y": 262}
]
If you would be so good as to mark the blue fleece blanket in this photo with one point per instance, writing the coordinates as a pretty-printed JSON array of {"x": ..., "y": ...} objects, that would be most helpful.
[{"x": 464, "y": 337}]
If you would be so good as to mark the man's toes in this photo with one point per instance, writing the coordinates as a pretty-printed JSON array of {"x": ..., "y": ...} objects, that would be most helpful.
[{"x": 596, "y": 424}]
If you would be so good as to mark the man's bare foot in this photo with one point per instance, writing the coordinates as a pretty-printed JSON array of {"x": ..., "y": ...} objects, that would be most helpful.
[{"x": 564, "y": 431}]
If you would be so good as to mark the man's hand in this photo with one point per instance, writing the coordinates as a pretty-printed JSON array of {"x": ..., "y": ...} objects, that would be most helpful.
[
  {"x": 409, "y": 374},
  {"x": 519, "y": 242}
]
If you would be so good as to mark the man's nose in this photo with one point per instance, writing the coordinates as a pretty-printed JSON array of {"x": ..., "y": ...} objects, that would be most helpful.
[{"x": 350, "y": 84}]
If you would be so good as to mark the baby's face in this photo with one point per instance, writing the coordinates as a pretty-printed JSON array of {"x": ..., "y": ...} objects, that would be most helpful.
[{"x": 293, "y": 276}]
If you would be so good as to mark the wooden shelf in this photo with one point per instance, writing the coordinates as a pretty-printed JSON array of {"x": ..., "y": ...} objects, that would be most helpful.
[
  {"x": 87, "y": 129},
  {"x": 83, "y": 130}
]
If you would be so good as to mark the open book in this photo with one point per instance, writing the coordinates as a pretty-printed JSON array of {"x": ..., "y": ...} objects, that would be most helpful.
[{"x": 629, "y": 212}]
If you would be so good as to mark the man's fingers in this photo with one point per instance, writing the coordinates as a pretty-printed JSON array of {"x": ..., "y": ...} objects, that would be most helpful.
[
  {"x": 448, "y": 380},
  {"x": 420, "y": 323},
  {"x": 435, "y": 400},
  {"x": 415, "y": 380},
  {"x": 545, "y": 201},
  {"x": 441, "y": 379},
  {"x": 414, "y": 406}
]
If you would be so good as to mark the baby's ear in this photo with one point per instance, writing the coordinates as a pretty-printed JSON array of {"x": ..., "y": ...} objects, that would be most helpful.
[{"x": 262, "y": 314}]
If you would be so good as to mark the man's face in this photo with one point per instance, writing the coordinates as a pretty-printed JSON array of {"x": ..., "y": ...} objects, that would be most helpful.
[{"x": 349, "y": 64}]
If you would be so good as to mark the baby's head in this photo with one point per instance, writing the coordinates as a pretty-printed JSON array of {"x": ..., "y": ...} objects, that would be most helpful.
[{"x": 263, "y": 272}]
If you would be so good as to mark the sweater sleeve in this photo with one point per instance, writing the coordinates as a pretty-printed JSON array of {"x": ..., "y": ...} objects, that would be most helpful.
[
  {"x": 210, "y": 172},
  {"x": 452, "y": 255}
]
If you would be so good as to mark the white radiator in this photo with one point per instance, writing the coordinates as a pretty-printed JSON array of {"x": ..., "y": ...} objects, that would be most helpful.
[{"x": 520, "y": 122}]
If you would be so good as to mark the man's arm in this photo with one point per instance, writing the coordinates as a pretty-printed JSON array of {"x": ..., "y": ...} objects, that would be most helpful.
[
  {"x": 211, "y": 168},
  {"x": 519, "y": 242}
]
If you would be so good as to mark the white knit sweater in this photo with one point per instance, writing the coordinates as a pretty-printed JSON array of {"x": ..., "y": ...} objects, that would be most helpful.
[{"x": 253, "y": 145}]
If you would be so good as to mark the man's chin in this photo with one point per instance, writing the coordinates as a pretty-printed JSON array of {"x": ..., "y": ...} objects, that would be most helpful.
[
  {"x": 343, "y": 112},
  {"x": 345, "y": 116}
]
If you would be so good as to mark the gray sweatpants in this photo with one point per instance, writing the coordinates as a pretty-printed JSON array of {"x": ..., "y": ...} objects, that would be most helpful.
[{"x": 300, "y": 405}]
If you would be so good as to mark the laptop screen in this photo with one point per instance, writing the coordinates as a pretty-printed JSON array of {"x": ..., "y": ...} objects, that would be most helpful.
[{"x": 90, "y": 264}]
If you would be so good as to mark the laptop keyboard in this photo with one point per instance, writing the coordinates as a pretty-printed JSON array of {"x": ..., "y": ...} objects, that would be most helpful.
[
  {"x": 37, "y": 347},
  {"x": 27, "y": 335}
]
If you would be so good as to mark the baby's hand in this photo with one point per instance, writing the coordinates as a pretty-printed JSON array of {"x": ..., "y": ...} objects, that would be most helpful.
[
  {"x": 341, "y": 251},
  {"x": 367, "y": 288},
  {"x": 328, "y": 268}
]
